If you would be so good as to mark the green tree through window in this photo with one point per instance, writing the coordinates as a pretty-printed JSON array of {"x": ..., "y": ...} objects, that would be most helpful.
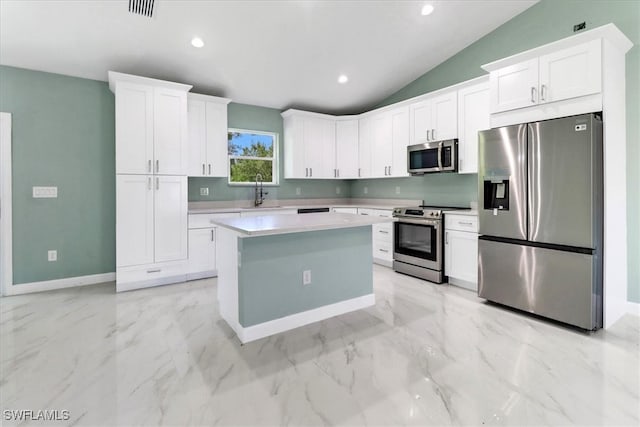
[{"x": 251, "y": 153}]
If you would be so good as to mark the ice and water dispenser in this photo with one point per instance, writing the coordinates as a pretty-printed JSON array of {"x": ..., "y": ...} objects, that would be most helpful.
[{"x": 496, "y": 194}]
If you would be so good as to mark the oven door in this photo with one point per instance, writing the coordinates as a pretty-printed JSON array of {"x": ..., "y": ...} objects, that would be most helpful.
[{"x": 418, "y": 242}]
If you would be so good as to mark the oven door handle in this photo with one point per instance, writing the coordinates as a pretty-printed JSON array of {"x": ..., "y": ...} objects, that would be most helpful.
[
  {"x": 433, "y": 223},
  {"x": 440, "y": 155}
]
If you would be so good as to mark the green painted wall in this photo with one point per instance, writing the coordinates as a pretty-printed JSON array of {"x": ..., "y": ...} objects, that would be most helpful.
[
  {"x": 270, "y": 278},
  {"x": 436, "y": 189},
  {"x": 251, "y": 117},
  {"x": 545, "y": 22},
  {"x": 63, "y": 135}
]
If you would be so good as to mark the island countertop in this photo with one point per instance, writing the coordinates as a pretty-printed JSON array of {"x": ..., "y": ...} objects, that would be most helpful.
[{"x": 281, "y": 224}]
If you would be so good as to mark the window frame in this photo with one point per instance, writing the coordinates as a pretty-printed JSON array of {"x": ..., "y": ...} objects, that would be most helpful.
[{"x": 275, "y": 182}]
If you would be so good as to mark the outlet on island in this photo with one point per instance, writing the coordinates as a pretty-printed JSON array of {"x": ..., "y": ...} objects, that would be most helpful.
[{"x": 306, "y": 277}]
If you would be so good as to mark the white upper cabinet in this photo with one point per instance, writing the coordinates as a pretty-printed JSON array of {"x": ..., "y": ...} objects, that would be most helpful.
[
  {"x": 571, "y": 72},
  {"x": 364, "y": 147},
  {"x": 346, "y": 149},
  {"x": 134, "y": 128},
  {"x": 434, "y": 118},
  {"x": 207, "y": 136},
  {"x": 151, "y": 125},
  {"x": 170, "y": 131},
  {"x": 389, "y": 140},
  {"x": 473, "y": 116},
  {"x": 568, "y": 73},
  {"x": 399, "y": 141},
  {"x": 309, "y": 145}
]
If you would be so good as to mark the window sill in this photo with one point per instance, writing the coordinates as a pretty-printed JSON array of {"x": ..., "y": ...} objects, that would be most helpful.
[{"x": 251, "y": 184}]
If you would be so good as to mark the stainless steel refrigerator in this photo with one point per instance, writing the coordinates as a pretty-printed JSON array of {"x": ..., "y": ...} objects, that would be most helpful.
[{"x": 540, "y": 214}]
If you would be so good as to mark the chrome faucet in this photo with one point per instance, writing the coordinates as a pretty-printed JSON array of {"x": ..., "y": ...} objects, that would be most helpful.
[{"x": 259, "y": 193}]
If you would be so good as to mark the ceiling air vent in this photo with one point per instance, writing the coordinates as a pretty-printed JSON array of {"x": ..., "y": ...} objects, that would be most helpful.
[{"x": 142, "y": 7}]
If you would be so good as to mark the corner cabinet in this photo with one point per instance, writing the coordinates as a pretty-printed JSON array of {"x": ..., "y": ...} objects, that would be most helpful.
[
  {"x": 567, "y": 73},
  {"x": 309, "y": 145},
  {"x": 473, "y": 116},
  {"x": 207, "y": 143},
  {"x": 151, "y": 181}
]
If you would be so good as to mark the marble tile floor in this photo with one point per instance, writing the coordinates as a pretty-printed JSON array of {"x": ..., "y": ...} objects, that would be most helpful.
[{"x": 424, "y": 355}]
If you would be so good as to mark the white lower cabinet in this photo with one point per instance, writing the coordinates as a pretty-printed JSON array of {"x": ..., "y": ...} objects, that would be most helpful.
[
  {"x": 202, "y": 253},
  {"x": 151, "y": 230},
  {"x": 259, "y": 212},
  {"x": 461, "y": 250},
  {"x": 381, "y": 236}
]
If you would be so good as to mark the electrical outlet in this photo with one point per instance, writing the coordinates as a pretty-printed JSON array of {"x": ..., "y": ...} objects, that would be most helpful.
[
  {"x": 44, "y": 192},
  {"x": 397, "y": 190},
  {"x": 298, "y": 191},
  {"x": 337, "y": 190},
  {"x": 52, "y": 255},
  {"x": 306, "y": 277},
  {"x": 366, "y": 190},
  {"x": 204, "y": 191}
]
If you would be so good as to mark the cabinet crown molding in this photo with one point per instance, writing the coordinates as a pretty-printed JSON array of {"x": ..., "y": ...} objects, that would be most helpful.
[
  {"x": 608, "y": 31},
  {"x": 208, "y": 98},
  {"x": 116, "y": 77}
]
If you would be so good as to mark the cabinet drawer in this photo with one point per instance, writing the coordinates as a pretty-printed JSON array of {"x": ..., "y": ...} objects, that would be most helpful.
[
  {"x": 204, "y": 220},
  {"x": 382, "y": 232},
  {"x": 382, "y": 250},
  {"x": 461, "y": 223}
]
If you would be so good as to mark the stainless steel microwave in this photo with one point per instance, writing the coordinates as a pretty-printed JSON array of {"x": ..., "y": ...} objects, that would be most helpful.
[{"x": 438, "y": 156}]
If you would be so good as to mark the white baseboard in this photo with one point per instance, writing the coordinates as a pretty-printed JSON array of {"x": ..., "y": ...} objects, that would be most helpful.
[
  {"x": 67, "y": 282},
  {"x": 252, "y": 333},
  {"x": 470, "y": 286},
  {"x": 633, "y": 308}
]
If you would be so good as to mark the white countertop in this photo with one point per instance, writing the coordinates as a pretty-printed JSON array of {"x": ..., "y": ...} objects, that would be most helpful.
[
  {"x": 281, "y": 224},
  {"x": 461, "y": 212}
]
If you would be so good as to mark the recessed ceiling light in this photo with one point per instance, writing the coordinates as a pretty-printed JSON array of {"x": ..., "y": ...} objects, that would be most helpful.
[
  {"x": 427, "y": 9},
  {"x": 197, "y": 42},
  {"x": 343, "y": 79}
]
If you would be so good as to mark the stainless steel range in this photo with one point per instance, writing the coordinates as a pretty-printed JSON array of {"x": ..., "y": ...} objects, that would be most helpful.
[{"x": 418, "y": 244}]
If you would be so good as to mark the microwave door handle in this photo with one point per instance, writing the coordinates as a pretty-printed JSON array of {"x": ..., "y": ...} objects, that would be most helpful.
[{"x": 440, "y": 155}]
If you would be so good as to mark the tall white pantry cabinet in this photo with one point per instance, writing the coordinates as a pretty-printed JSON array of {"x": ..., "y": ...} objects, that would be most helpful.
[{"x": 151, "y": 181}]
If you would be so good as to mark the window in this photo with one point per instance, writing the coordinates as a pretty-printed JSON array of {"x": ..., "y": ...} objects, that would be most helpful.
[{"x": 251, "y": 153}]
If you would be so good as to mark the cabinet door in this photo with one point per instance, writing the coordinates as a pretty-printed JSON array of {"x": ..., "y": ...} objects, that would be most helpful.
[
  {"x": 572, "y": 72},
  {"x": 473, "y": 116},
  {"x": 312, "y": 132},
  {"x": 399, "y": 141},
  {"x": 294, "y": 155},
  {"x": 170, "y": 131},
  {"x": 444, "y": 117},
  {"x": 134, "y": 220},
  {"x": 515, "y": 86},
  {"x": 364, "y": 148},
  {"x": 202, "y": 250},
  {"x": 197, "y": 142},
  {"x": 461, "y": 256},
  {"x": 347, "y": 149},
  {"x": 217, "y": 139},
  {"x": 382, "y": 150},
  {"x": 134, "y": 128},
  {"x": 419, "y": 121},
  {"x": 170, "y": 218},
  {"x": 328, "y": 149}
]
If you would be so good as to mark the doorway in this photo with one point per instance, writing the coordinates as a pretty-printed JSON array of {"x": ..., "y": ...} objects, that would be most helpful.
[{"x": 6, "y": 267}]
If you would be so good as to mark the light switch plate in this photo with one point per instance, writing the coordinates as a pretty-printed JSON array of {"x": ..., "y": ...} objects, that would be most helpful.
[
  {"x": 45, "y": 192},
  {"x": 337, "y": 190},
  {"x": 52, "y": 255}
]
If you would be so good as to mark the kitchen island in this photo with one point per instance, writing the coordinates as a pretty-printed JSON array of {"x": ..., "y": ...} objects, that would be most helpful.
[{"x": 280, "y": 272}]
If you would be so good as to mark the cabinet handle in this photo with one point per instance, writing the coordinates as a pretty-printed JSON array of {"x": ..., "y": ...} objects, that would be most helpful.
[
  {"x": 383, "y": 232},
  {"x": 157, "y": 166},
  {"x": 149, "y": 166},
  {"x": 358, "y": 172},
  {"x": 310, "y": 171},
  {"x": 465, "y": 222},
  {"x": 364, "y": 213},
  {"x": 156, "y": 270},
  {"x": 383, "y": 250},
  {"x": 533, "y": 94},
  {"x": 446, "y": 238},
  {"x": 338, "y": 173},
  {"x": 428, "y": 135},
  {"x": 306, "y": 172},
  {"x": 212, "y": 234},
  {"x": 209, "y": 168},
  {"x": 149, "y": 183},
  {"x": 157, "y": 183},
  {"x": 203, "y": 169},
  {"x": 542, "y": 92},
  {"x": 433, "y": 134}
]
